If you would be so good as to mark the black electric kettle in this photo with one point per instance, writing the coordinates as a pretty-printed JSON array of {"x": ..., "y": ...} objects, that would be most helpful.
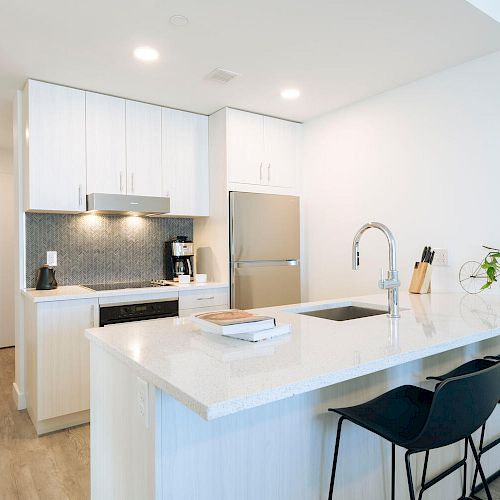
[{"x": 46, "y": 278}]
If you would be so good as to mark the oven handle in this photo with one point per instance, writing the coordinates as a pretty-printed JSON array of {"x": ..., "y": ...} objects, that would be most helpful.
[{"x": 137, "y": 302}]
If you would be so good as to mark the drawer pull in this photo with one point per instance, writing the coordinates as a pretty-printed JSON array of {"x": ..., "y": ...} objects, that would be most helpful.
[{"x": 206, "y": 298}]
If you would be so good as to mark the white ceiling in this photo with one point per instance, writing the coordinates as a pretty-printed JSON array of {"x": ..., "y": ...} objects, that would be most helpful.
[{"x": 335, "y": 51}]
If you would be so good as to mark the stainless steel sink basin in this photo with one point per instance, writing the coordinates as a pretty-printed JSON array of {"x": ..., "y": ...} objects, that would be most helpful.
[{"x": 345, "y": 313}]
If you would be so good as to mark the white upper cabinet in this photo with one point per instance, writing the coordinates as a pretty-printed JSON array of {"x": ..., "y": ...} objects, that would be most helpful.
[
  {"x": 280, "y": 152},
  {"x": 55, "y": 174},
  {"x": 245, "y": 147},
  {"x": 143, "y": 139},
  {"x": 106, "y": 150},
  {"x": 185, "y": 162},
  {"x": 261, "y": 150}
]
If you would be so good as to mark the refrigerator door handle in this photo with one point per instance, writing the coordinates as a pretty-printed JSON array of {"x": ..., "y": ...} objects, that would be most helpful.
[
  {"x": 232, "y": 289},
  {"x": 262, "y": 263}
]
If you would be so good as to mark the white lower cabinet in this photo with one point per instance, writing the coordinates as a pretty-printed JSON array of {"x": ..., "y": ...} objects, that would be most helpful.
[
  {"x": 194, "y": 299},
  {"x": 57, "y": 362},
  {"x": 198, "y": 301},
  {"x": 185, "y": 313}
]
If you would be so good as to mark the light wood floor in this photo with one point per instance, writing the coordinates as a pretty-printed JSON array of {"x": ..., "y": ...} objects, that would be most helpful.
[
  {"x": 55, "y": 466},
  {"x": 52, "y": 467}
]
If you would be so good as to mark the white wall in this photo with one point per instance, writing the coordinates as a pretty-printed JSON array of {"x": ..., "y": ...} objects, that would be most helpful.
[
  {"x": 423, "y": 159},
  {"x": 7, "y": 247}
]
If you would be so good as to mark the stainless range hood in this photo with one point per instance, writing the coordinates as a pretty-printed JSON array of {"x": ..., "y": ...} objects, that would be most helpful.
[{"x": 127, "y": 204}]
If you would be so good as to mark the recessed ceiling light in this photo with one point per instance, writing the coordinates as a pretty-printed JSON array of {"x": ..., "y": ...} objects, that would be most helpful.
[
  {"x": 147, "y": 54},
  {"x": 179, "y": 20},
  {"x": 290, "y": 93}
]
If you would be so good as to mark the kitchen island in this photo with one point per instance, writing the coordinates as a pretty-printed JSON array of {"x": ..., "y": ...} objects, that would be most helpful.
[{"x": 182, "y": 415}]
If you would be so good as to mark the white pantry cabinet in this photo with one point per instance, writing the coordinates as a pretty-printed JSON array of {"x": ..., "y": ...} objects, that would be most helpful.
[
  {"x": 261, "y": 150},
  {"x": 105, "y": 138},
  {"x": 57, "y": 361},
  {"x": 143, "y": 138},
  {"x": 54, "y": 149},
  {"x": 185, "y": 162}
]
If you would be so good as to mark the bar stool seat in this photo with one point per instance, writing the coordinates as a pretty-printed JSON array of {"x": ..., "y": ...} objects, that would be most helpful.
[
  {"x": 469, "y": 367},
  {"x": 420, "y": 420},
  {"x": 398, "y": 415}
]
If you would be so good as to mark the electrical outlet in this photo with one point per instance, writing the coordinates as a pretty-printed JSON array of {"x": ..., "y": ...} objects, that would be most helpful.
[
  {"x": 440, "y": 257},
  {"x": 143, "y": 400},
  {"x": 52, "y": 258}
]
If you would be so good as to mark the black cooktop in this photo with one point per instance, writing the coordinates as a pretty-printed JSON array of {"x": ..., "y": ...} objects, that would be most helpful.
[{"x": 121, "y": 286}]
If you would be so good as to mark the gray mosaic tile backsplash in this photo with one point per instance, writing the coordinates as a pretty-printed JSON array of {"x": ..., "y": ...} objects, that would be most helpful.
[{"x": 100, "y": 248}]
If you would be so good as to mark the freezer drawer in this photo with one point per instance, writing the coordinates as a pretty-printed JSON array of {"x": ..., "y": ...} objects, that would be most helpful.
[
  {"x": 264, "y": 284},
  {"x": 264, "y": 227}
]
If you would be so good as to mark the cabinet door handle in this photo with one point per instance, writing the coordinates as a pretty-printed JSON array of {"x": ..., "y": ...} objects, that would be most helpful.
[
  {"x": 260, "y": 173},
  {"x": 269, "y": 173},
  {"x": 121, "y": 182},
  {"x": 92, "y": 315},
  {"x": 206, "y": 298},
  {"x": 132, "y": 182},
  {"x": 80, "y": 201}
]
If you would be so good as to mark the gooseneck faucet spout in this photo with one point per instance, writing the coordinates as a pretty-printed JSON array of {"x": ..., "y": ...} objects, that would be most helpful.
[{"x": 391, "y": 282}]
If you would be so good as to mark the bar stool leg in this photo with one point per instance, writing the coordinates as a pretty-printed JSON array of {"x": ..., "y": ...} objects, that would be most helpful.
[
  {"x": 480, "y": 452},
  {"x": 424, "y": 473},
  {"x": 480, "y": 468},
  {"x": 464, "y": 484},
  {"x": 393, "y": 473},
  {"x": 335, "y": 457},
  {"x": 408, "y": 475}
]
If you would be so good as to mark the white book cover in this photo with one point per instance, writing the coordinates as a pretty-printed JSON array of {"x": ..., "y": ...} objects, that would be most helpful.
[
  {"x": 263, "y": 334},
  {"x": 232, "y": 321}
]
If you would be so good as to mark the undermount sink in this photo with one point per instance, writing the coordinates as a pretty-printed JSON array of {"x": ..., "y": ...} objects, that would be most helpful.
[{"x": 345, "y": 313}]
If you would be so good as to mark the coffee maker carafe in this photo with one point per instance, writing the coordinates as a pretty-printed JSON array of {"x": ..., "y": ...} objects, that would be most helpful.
[{"x": 179, "y": 254}]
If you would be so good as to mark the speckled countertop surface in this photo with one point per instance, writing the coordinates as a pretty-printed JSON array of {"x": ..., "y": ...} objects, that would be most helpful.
[
  {"x": 82, "y": 292},
  {"x": 216, "y": 376}
]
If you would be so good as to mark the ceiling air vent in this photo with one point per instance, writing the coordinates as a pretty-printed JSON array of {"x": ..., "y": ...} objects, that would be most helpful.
[{"x": 220, "y": 75}]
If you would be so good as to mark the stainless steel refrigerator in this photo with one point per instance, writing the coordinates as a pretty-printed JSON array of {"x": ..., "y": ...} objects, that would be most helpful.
[{"x": 264, "y": 249}]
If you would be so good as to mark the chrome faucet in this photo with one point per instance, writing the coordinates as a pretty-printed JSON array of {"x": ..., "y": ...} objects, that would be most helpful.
[{"x": 391, "y": 282}]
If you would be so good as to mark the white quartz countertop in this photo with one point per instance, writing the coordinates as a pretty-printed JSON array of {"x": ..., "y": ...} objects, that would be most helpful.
[
  {"x": 82, "y": 292},
  {"x": 217, "y": 376}
]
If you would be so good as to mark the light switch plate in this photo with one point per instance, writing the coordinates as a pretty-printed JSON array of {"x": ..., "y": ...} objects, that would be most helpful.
[
  {"x": 52, "y": 258},
  {"x": 440, "y": 257}
]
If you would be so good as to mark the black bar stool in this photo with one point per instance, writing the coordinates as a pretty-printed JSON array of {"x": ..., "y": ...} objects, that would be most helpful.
[
  {"x": 471, "y": 367},
  {"x": 420, "y": 420}
]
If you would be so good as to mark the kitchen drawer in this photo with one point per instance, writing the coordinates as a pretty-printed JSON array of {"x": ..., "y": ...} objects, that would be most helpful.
[
  {"x": 195, "y": 299},
  {"x": 185, "y": 313}
]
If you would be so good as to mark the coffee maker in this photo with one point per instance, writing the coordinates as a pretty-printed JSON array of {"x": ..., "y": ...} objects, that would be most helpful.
[{"x": 179, "y": 254}]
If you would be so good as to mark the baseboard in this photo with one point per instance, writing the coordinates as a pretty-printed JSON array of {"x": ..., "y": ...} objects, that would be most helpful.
[
  {"x": 489, "y": 480},
  {"x": 19, "y": 397},
  {"x": 63, "y": 422}
]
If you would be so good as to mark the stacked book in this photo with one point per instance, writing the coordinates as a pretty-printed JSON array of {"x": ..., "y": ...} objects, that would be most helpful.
[{"x": 240, "y": 324}]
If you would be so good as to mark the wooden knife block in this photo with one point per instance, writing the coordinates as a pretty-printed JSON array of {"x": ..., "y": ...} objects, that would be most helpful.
[{"x": 421, "y": 279}]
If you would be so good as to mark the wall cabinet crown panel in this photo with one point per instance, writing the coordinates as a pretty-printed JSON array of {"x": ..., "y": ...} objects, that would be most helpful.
[
  {"x": 185, "y": 162},
  {"x": 106, "y": 150},
  {"x": 55, "y": 148},
  {"x": 143, "y": 138}
]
